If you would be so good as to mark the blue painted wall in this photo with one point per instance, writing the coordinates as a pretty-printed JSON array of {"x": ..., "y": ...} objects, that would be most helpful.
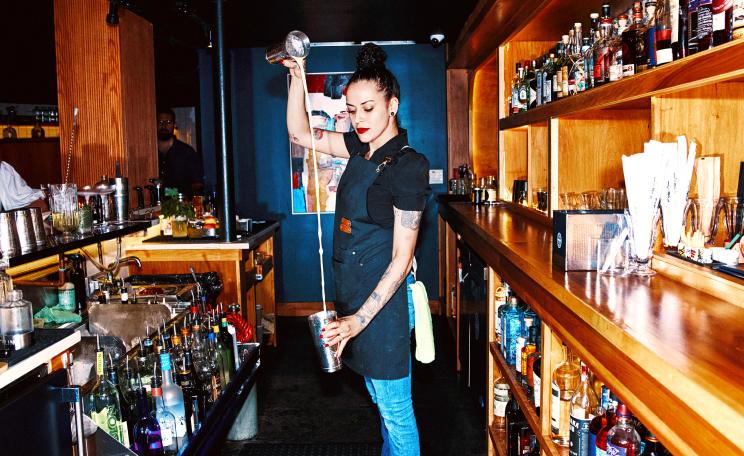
[{"x": 262, "y": 161}]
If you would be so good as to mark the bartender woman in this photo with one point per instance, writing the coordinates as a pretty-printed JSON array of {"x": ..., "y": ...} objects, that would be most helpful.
[{"x": 379, "y": 204}]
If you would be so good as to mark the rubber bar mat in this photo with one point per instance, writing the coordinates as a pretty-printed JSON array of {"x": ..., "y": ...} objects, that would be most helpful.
[{"x": 311, "y": 449}]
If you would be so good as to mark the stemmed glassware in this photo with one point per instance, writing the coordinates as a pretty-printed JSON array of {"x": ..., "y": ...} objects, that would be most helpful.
[{"x": 64, "y": 210}]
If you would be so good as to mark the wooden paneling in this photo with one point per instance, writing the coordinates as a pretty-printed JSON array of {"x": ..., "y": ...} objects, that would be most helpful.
[
  {"x": 108, "y": 73},
  {"x": 537, "y": 158},
  {"x": 592, "y": 144},
  {"x": 518, "y": 52},
  {"x": 36, "y": 160},
  {"x": 458, "y": 119},
  {"x": 485, "y": 102},
  {"x": 515, "y": 156}
]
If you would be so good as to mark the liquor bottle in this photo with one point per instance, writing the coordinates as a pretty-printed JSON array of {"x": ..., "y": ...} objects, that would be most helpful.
[
  {"x": 515, "y": 421},
  {"x": 527, "y": 350},
  {"x": 533, "y": 358},
  {"x": 692, "y": 28},
  {"x": 606, "y": 11},
  {"x": 681, "y": 47},
  {"x": 566, "y": 66},
  {"x": 501, "y": 302},
  {"x": 144, "y": 364},
  {"x": 511, "y": 326},
  {"x": 653, "y": 446},
  {"x": 651, "y": 34},
  {"x": 631, "y": 41},
  {"x": 167, "y": 341},
  {"x": 127, "y": 416},
  {"x": 583, "y": 410},
  {"x": 105, "y": 409},
  {"x": 165, "y": 418},
  {"x": 37, "y": 131},
  {"x": 515, "y": 90},
  {"x": 127, "y": 384},
  {"x": 609, "y": 423},
  {"x": 738, "y": 25},
  {"x": 723, "y": 11},
  {"x": 540, "y": 79},
  {"x": 555, "y": 73},
  {"x": 500, "y": 400},
  {"x": 521, "y": 342},
  {"x": 523, "y": 91},
  {"x": 535, "y": 451},
  {"x": 548, "y": 75},
  {"x": 664, "y": 16},
  {"x": 173, "y": 398},
  {"x": 623, "y": 440},
  {"x": 640, "y": 429},
  {"x": 593, "y": 24},
  {"x": 582, "y": 44},
  {"x": 227, "y": 341},
  {"x": 147, "y": 440},
  {"x": 616, "y": 50},
  {"x": 600, "y": 53},
  {"x": 532, "y": 78},
  {"x": 565, "y": 378},
  {"x": 705, "y": 25},
  {"x": 571, "y": 67},
  {"x": 192, "y": 394},
  {"x": 215, "y": 368}
]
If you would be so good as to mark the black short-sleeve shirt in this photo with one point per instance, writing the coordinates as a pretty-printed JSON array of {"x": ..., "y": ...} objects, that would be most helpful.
[
  {"x": 403, "y": 184},
  {"x": 180, "y": 167}
]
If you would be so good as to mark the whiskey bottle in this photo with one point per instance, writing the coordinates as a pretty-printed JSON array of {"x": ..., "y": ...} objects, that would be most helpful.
[
  {"x": 583, "y": 409},
  {"x": 653, "y": 446},
  {"x": 738, "y": 25},
  {"x": 623, "y": 438},
  {"x": 633, "y": 44},
  {"x": 500, "y": 400},
  {"x": 664, "y": 16},
  {"x": 705, "y": 25},
  {"x": 723, "y": 11},
  {"x": 565, "y": 379},
  {"x": 37, "y": 131},
  {"x": 527, "y": 350}
]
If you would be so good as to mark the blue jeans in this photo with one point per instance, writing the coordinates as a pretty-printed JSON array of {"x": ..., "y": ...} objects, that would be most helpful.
[{"x": 400, "y": 435}]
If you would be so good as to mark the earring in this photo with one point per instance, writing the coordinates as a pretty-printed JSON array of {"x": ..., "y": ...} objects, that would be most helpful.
[{"x": 392, "y": 114}]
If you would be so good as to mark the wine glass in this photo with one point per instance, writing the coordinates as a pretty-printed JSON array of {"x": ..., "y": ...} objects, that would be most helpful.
[{"x": 65, "y": 210}]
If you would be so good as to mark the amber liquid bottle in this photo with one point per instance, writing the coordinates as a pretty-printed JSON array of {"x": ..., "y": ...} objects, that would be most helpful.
[{"x": 565, "y": 379}]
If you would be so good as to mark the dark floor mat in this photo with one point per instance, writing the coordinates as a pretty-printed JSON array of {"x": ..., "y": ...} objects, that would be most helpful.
[{"x": 311, "y": 449}]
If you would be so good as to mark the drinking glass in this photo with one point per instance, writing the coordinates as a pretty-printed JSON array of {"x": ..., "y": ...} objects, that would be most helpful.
[
  {"x": 566, "y": 201},
  {"x": 643, "y": 236},
  {"x": 65, "y": 212},
  {"x": 608, "y": 198}
]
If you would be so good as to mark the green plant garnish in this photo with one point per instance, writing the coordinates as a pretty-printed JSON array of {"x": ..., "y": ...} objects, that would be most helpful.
[{"x": 175, "y": 208}]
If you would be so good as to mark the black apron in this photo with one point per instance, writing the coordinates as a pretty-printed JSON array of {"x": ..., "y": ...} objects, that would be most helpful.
[{"x": 362, "y": 251}]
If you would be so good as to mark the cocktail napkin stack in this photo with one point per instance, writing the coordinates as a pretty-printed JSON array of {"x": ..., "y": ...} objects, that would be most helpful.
[{"x": 676, "y": 186}]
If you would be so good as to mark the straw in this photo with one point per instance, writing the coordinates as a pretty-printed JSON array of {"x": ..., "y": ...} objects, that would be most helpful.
[{"x": 72, "y": 137}]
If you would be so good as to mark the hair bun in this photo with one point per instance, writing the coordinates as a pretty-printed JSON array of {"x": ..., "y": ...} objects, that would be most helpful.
[{"x": 370, "y": 56}]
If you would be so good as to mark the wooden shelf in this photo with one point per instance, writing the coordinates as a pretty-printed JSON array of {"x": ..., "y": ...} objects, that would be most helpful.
[
  {"x": 720, "y": 64},
  {"x": 528, "y": 407},
  {"x": 653, "y": 341},
  {"x": 498, "y": 437}
]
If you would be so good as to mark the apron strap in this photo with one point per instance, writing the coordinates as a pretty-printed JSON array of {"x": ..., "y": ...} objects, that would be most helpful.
[{"x": 392, "y": 159}]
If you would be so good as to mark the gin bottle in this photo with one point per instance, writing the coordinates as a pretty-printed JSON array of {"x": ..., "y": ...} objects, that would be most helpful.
[
  {"x": 511, "y": 326},
  {"x": 147, "y": 440},
  {"x": 105, "y": 409},
  {"x": 583, "y": 409},
  {"x": 500, "y": 400},
  {"x": 565, "y": 379},
  {"x": 165, "y": 418},
  {"x": 623, "y": 440}
]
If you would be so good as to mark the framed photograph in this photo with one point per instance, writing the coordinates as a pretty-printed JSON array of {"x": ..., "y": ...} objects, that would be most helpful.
[{"x": 327, "y": 93}]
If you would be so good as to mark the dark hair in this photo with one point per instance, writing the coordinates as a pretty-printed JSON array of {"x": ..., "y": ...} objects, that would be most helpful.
[
  {"x": 371, "y": 67},
  {"x": 164, "y": 110}
]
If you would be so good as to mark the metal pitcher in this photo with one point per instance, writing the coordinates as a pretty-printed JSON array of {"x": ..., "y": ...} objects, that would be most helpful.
[{"x": 294, "y": 45}]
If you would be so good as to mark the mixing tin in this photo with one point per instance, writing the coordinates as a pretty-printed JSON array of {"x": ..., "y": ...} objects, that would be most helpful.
[{"x": 329, "y": 362}]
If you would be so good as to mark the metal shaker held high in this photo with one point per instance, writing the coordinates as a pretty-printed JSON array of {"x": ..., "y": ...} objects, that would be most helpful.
[{"x": 294, "y": 45}]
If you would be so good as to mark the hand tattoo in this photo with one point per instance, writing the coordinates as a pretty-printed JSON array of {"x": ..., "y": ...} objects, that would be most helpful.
[
  {"x": 409, "y": 219},
  {"x": 318, "y": 133}
]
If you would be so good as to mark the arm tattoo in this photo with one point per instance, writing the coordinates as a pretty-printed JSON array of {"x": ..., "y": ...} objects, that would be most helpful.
[
  {"x": 376, "y": 302},
  {"x": 318, "y": 134},
  {"x": 409, "y": 219},
  {"x": 294, "y": 138}
]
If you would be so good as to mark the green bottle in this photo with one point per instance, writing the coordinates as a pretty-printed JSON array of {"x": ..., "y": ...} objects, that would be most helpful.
[{"x": 105, "y": 409}]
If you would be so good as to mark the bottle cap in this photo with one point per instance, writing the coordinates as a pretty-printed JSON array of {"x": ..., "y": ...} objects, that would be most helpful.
[
  {"x": 622, "y": 17},
  {"x": 594, "y": 15},
  {"x": 607, "y": 21},
  {"x": 650, "y": 436},
  {"x": 578, "y": 24},
  {"x": 622, "y": 411}
]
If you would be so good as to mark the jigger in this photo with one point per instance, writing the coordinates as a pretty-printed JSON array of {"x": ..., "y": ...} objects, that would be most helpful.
[{"x": 294, "y": 45}]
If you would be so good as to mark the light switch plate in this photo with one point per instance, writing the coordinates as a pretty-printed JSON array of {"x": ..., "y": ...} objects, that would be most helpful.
[{"x": 436, "y": 176}]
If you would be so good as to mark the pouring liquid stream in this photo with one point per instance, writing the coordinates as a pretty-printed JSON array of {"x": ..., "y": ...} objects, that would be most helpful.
[{"x": 308, "y": 109}]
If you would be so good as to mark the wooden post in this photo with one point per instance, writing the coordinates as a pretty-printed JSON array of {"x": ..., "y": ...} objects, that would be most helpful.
[{"x": 108, "y": 72}]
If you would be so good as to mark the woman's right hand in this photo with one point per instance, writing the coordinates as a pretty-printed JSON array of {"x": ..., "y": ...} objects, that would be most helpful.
[{"x": 294, "y": 69}]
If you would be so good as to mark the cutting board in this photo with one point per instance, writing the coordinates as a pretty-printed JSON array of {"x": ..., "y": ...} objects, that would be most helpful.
[{"x": 3, "y": 367}]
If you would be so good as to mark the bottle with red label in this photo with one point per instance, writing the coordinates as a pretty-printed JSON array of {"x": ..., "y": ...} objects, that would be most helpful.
[
  {"x": 623, "y": 440},
  {"x": 723, "y": 12}
]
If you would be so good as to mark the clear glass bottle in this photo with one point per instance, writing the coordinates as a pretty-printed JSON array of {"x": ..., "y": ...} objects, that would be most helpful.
[
  {"x": 616, "y": 50},
  {"x": 521, "y": 342},
  {"x": 216, "y": 367},
  {"x": 564, "y": 381},
  {"x": 664, "y": 14},
  {"x": 522, "y": 92},
  {"x": 500, "y": 400},
  {"x": 511, "y": 326},
  {"x": 16, "y": 315},
  {"x": 583, "y": 409},
  {"x": 192, "y": 394},
  {"x": 173, "y": 398},
  {"x": 147, "y": 440},
  {"x": 565, "y": 67},
  {"x": 144, "y": 365},
  {"x": 515, "y": 90},
  {"x": 623, "y": 440},
  {"x": 37, "y": 131},
  {"x": 105, "y": 409},
  {"x": 165, "y": 418},
  {"x": 127, "y": 417},
  {"x": 531, "y": 77},
  {"x": 548, "y": 74}
]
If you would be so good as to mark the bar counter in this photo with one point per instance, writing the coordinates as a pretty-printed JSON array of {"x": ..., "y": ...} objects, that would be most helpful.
[{"x": 670, "y": 352}]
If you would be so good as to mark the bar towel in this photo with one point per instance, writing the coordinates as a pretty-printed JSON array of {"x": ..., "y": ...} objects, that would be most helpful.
[
  {"x": 424, "y": 332},
  {"x": 57, "y": 315}
]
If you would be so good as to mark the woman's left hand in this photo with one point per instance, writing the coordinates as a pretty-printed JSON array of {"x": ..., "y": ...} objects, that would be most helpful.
[{"x": 340, "y": 331}]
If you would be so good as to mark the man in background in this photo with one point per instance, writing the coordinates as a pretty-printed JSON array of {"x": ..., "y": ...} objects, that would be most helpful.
[{"x": 180, "y": 166}]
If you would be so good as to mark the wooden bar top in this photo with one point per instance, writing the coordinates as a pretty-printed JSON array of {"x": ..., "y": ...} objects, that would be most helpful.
[{"x": 672, "y": 353}]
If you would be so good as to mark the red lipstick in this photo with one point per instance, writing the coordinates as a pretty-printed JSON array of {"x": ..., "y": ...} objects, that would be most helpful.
[{"x": 362, "y": 130}]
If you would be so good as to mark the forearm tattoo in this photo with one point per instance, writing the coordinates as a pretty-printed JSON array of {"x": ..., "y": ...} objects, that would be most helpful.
[
  {"x": 318, "y": 134},
  {"x": 376, "y": 302},
  {"x": 409, "y": 219}
]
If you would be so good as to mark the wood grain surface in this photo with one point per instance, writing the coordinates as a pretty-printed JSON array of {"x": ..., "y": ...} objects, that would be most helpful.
[
  {"x": 485, "y": 122},
  {"x": 657, "y": 343},
  {"x": 458, "y": 119},
  {"x": 36, "y": 161}
]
